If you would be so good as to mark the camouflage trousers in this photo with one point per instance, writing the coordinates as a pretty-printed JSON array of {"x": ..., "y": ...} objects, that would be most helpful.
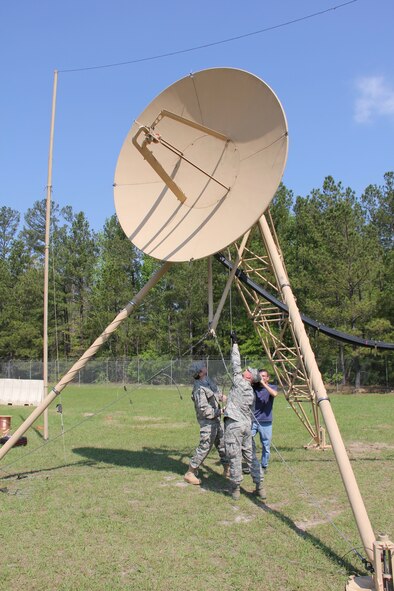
[
  {"x": 211, "y": 434},
  {"x": 238, "y": 445}
]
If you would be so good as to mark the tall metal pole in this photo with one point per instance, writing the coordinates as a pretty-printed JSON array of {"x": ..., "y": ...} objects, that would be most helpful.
[
  {"x": 46, "y": 255},
  {"x": 210, "y": 290},
  {"x": 89, "y": 353},
  {"x": 356, "y": 502}
]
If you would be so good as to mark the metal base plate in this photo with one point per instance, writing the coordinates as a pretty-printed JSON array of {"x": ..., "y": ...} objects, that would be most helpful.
[{"x": 359, "y": 583}]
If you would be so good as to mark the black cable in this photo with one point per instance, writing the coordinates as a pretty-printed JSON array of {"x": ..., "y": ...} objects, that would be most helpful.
[
  {"x": 330, "y": 332},
  {"x": 213, "y": 43}
]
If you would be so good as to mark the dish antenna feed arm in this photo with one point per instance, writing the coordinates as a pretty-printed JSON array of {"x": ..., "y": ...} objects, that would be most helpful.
[{"x": 152, "y": 137}]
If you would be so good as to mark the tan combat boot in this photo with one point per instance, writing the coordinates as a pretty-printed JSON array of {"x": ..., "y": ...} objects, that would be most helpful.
[
  {"x": 191, "y": 477},
  {"x": 235, "y": 492},
  {"x": 226, "y": 471},
  {"x": 260, "y": 491}
]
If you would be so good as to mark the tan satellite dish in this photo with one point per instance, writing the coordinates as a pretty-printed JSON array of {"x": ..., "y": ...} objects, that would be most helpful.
[{"x": 201, "y": 164}]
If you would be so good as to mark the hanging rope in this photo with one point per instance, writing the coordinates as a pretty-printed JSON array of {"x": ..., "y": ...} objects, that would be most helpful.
[
  {"x": 175, "y": 384},
  {"x": 59, "y": 407},
  {"x": 55, "y": 314},
  {"x": 230, "y": 301}
]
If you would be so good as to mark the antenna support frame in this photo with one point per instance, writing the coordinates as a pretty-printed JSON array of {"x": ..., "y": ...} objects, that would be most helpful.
[{"x": 190, "y": 123}]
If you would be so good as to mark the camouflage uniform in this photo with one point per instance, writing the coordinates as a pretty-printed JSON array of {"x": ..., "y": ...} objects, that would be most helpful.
[
  {"x": 205, "y": 396},
  {"x": 237, "y": 424}
]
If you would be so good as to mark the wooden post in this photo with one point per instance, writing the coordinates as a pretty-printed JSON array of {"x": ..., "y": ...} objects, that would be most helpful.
[{"x": 46, "y": 257}]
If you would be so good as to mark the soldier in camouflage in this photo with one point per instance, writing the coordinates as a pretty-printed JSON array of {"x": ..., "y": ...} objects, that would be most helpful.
[
  {"x": 237, "y": 423},
  {"x": 206, "y": 398}
]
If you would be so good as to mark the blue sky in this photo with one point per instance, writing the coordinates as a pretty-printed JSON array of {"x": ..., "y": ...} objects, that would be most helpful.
[{"x": 333, "y": 73}]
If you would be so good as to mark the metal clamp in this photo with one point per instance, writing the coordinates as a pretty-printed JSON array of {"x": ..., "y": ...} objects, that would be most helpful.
[{"x": 319, "y": 400}]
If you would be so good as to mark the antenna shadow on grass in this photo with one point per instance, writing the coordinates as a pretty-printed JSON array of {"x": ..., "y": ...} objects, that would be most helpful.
[
  {"x": 340, "y": 561},
  {"x": 149, "y": 458},
  {"x": 27, "y": 473},
  {"x": 35, "y": 429}
]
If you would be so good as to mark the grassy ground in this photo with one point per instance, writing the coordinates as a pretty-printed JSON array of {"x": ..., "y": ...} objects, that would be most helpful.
[{"x": 105, "y": 507}]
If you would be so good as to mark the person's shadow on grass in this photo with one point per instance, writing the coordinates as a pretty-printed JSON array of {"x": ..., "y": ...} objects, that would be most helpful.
[{"x": 157, "y": 459}]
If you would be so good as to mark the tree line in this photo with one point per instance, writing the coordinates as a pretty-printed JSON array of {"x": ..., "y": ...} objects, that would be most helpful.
[{"x": 338, "y": 250}]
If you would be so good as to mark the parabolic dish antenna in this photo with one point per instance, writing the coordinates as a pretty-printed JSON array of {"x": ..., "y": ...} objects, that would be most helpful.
[{"x": 200, "y": 164}]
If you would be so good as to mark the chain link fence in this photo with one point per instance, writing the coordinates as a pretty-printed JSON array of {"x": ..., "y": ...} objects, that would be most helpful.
[
  {"x": 375, "y": 372},
  {"x": 125, "y": 370}
]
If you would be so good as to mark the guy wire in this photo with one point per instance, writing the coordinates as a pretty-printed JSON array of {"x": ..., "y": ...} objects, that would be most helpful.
[{"x": 230, "y": 301}]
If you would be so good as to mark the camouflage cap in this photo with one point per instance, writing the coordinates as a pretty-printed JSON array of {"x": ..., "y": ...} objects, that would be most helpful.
[{"x": 196, "y": 367}]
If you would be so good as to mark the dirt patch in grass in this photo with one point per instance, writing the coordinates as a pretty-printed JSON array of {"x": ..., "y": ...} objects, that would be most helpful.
[
  {"x": 307, "y": 524},
  {"x": 242, "y": 518},
  {"x": 160, "y": 426},
  {"x": 109, "y": 419},
  {"x": 237, "y": 517},
  {"x": 278, "y": 506},
  {"x": 144, "y": 419},
  {"x": 361, "y": 447},
  {"x": 134, "y": 503},
  {"x": 113, "y": 418}
]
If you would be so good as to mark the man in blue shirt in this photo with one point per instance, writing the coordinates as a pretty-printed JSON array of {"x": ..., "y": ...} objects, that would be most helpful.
[{"x": 265, "y": 394}]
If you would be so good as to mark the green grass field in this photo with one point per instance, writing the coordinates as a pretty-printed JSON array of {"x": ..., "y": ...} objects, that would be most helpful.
[{"x": 105, "y": 507}]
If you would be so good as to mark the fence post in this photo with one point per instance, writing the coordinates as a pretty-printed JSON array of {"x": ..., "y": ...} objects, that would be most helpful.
[{"x": 386, "y": 368}]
